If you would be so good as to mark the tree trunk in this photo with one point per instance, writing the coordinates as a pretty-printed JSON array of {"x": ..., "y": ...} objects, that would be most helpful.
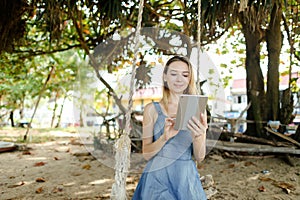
[
  {"x": 38, "y": 101},
  {"x": 81, "y": 115},
  {"x": 54, "y": 110},
  {"x": 11, "y": 118},
  {"x": 21, "y": 112},
  {"x": 287, "y": 108},
  {"x": 60, "y": 112},
  {"x": 274, "y": 44},
  {"x": 255, "y": 79},
  {"x": 296, "y": 136}
]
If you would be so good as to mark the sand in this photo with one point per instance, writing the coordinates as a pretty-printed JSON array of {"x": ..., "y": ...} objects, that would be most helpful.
[{"x": 64, "y": 168}]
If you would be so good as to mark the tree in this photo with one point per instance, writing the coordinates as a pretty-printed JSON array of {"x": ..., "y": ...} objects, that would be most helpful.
[
  {"x": 63, "y": 80},
  {"x": 62, "y": 25},
  {"x": 266, "y": 102},
  {"x": 20, "y": 81},
  {"x": 260, "y": 21}
]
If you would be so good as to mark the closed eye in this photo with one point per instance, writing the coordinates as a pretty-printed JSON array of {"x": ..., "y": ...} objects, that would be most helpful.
[{"x": 186, "y": 75}]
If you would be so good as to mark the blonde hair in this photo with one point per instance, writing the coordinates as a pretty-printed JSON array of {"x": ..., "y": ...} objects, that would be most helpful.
[{"x": 191, "y": 89}]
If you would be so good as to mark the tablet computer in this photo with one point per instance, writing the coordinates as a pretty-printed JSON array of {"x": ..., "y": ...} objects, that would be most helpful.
[{"x": 188, "y": 106}]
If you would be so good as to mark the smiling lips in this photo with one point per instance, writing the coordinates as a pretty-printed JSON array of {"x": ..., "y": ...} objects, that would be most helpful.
[{"x": 178, "y": 85}]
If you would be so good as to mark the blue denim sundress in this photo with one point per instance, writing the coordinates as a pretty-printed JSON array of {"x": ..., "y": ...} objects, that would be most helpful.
[{"x": 171, "y": 174}]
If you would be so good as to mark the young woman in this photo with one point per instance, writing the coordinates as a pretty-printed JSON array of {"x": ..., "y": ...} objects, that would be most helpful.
[{"x": 171, "y": 172}]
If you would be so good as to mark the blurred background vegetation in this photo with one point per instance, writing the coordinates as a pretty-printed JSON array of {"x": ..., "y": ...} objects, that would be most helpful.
[{"x": 45, "y": 46}]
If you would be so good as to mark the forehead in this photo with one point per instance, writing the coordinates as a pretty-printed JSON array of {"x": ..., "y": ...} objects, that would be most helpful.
[{"x": 179, "y": 66}]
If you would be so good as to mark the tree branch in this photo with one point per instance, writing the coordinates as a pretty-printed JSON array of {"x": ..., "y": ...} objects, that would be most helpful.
[
  {"x": 95, "y": 66},
  {"x": 153, "y": 11},
  {"x": 31, "y": 52},
  {"x": 286, "y": 28}
]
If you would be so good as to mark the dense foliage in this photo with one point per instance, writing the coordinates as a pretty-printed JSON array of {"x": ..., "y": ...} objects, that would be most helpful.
[{"x": 36, "y": 35}]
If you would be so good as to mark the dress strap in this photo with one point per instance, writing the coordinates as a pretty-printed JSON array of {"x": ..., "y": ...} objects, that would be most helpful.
[{"x": 158, "y": 108}]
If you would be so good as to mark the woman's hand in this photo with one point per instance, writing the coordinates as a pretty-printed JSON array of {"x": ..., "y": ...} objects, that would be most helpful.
[
  {"x": 169, "y": 130},
  {"x": 198, "y": 127}
]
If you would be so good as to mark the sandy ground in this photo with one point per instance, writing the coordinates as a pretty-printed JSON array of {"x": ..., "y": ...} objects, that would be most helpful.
[{"x": 65, "y": 169}]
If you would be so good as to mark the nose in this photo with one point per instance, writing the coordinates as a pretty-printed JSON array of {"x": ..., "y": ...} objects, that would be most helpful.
[{"x": 179, "y": 78}]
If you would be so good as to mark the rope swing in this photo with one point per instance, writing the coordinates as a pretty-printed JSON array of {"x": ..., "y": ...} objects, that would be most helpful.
[
  {"x": 123, "y": 144},
  {"x": 199, "y": 46}
]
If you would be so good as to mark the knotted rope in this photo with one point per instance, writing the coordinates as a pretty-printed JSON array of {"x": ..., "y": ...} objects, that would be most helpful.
[{"x": 123, "y": 144}]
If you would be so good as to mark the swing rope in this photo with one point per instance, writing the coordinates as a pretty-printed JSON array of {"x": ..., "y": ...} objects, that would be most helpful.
[
  {"x": 199, "y": 46},
  {"x": 123, "y": 144}
]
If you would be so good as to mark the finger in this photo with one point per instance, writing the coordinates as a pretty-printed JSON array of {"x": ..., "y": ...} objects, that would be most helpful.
[
  {"x": 203, "y": 119},
  {"x": 197, "y": 128},
  {"x": 200, "y": 125},
  {"x": 196, "y": 120},
  {"x": 191, "y": 127},
  {"x": 170, "y": 120},
  {"x": 194, "y": 125},
  {"x": 168, "y": 125}
]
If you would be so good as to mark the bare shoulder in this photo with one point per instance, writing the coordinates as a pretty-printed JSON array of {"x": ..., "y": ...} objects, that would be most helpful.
[{"x": 150, "y": 110}]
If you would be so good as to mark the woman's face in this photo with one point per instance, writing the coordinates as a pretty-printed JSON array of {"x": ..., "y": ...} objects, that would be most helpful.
[{"x": 177, "y": 77}]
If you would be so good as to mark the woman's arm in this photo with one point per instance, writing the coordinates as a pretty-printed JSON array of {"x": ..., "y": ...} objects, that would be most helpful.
[
  {"x": 151, "y": 148},
  {"x": 199, "y": 147},
  {"x": 198, "y": 129}
]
